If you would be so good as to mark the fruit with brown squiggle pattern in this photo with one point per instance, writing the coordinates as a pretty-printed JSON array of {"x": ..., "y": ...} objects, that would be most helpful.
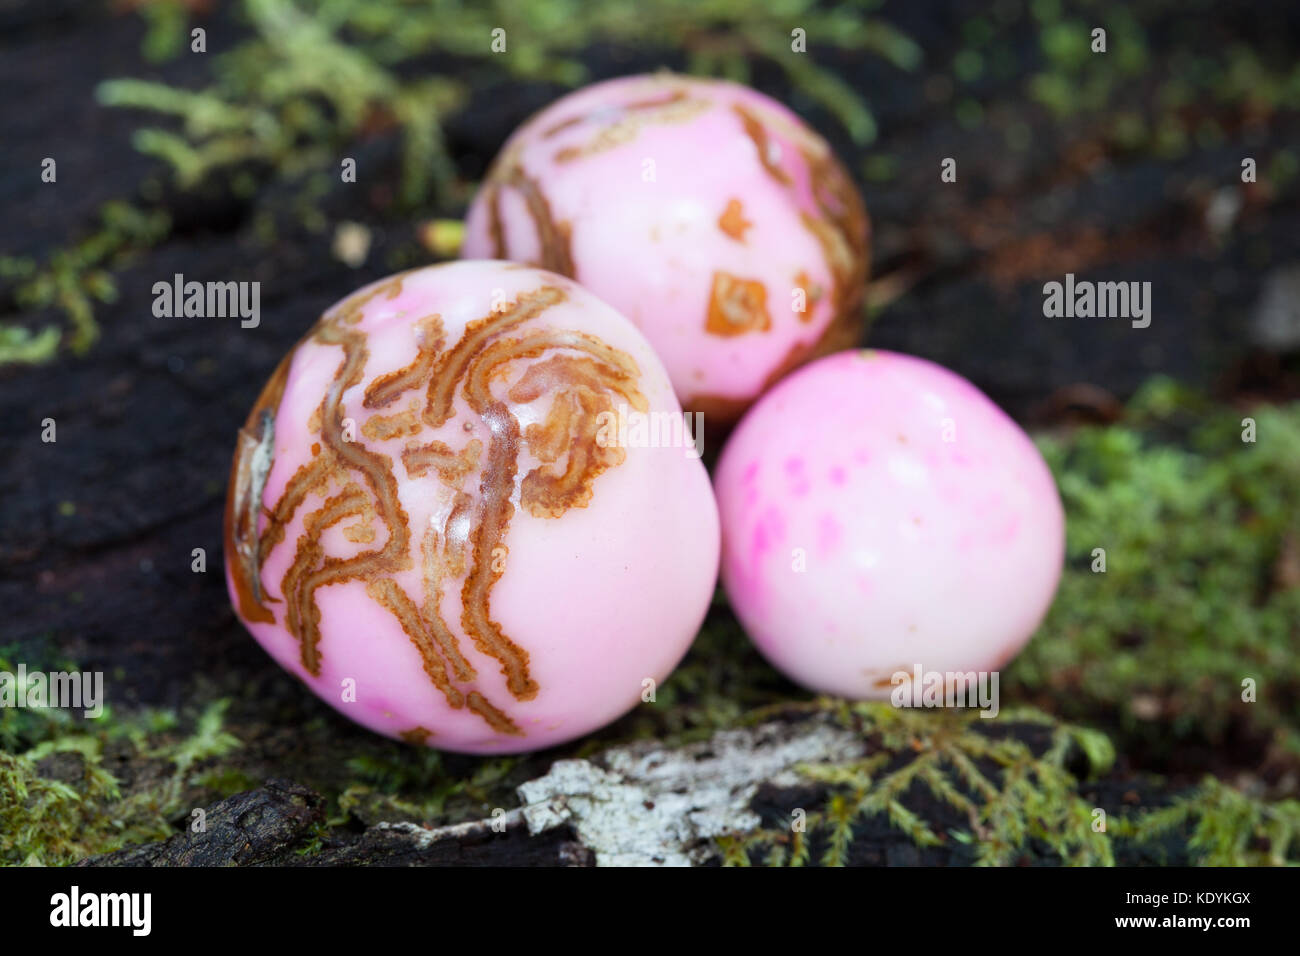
[
  {"x": 707, "y": 213},
  {"x": 435, "y": 521}
]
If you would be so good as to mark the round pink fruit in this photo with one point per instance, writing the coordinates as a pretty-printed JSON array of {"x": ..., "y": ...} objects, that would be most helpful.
[
  {"x": 704, "y": 211},
  {"x": 880, "y": 514},
  {"x": 433, "y": 523}
]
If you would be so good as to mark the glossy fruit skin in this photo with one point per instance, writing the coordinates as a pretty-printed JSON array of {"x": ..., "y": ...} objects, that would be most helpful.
[
  {"x": 508, "y": 589},
  {"x": 707, "y": 213},
  {"x": 879, "y": 512}
]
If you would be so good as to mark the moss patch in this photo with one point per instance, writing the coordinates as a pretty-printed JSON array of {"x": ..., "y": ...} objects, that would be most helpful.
[
  {"x": 74, "y": 789},
  {"x": 1201, "y": 590}
]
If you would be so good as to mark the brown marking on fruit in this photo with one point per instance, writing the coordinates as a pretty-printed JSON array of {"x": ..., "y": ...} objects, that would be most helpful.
[
  {"x": 359, "y": 533},
  {"x": 549, "y": 491},
  {"x": 676, "y": 96},
  {"x": 496, "y": 483},
  {"x": 470, "y": 540},
  {"x": 554, "y": 237},
  {"x": 838, "y": 254},
  {"x": 310, "y": 478},
  {"x": 476, "y": 358},
  {"x": 417, "y": 735},
  {"x": 376, "y": 469},
  {"x": 768, "y": 151},
  {"x": 430, "y": 547},
  {"x": 839, "y": 224},
  {"x": 812, "y": 295},
  {"x": 496, "y": 229},
  {"x": 303, "y": 616},
  {"x": 542, "y": 492},
  {"x": 452, "y": 365},
  {"x": 387, "y": 592},
  {"x": 495, "y": 718},
  {"x": 625, "y": 124},
  {"x": 349, "y": 311},
  {"x": 495, "y": 512},
  {"x": 384, "y": 427},
  {"x": 548, "y": 439},
  {"x": 604, "y": 367},
  {"x": 843, "y": 231},
  {"x": 451, "y": 466},
  {"x": 312, "y": 568},
  {"x": 582, "y": 387},
  {"x": 254, "y": 455},
  {"x": 733, "y": 221},
  {"x": 737, "y": 306},
  {"x": 456, "y": 532},
  {"x": 560, "y": 127},
  {"x": 887, "y": 680},
  {"x": 386, "y": 389}
]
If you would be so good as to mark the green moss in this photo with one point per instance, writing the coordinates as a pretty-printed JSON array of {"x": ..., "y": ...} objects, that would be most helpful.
[
  {"x": 951, "y": 777},
  {"x": 416, "y": 785},
  {"x": 1224, "y": 827},
  {"x": 58, "y": 801},
  {"x": 1200, "y": 531},
  {"x": 311, "y": 77},
  {"x": 315, "y": 840},
  {"x": 73, "y": 280},
  {"x": 168, "y": 24},
  {"x": 44, "y": 821},
  {"x": 19, "y": 346},
  {"x": 1009, "y": 795}
]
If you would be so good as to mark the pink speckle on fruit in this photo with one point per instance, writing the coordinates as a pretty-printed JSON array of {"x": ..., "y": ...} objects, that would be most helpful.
[
  {"x": 770, "y": 531},
  {"x": 1007, "y": 533},
  {"x": 946, "y": 553},
  {"x": 829, "y": 533}
]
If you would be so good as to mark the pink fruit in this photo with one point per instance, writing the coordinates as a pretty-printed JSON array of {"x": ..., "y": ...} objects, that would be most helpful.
[
  {"x": 427, "y": 526},
  {"x": 704, "y": 211},
  {"x": 878, "y": 513}
]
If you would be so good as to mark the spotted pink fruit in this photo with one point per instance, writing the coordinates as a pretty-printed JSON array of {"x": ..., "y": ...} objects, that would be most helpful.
[
  {"x": 427, "y": 524},
  {"x": 879, "y": 512},
  {"x": 704, "y": 211}
]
